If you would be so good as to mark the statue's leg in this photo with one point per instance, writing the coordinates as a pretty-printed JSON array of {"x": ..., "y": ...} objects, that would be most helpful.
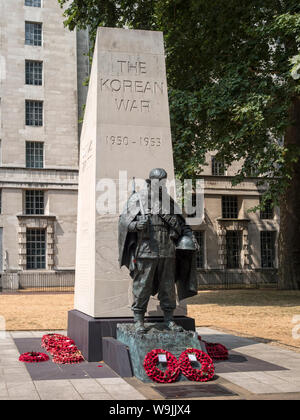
[
  {"x": 142, "y": 289},
  {"x": 167, "y": 292}
]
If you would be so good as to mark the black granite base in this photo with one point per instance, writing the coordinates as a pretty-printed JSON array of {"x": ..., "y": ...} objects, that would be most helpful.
[
  {"x": 88, "y": 332},
  {"x": 52, "y": 371},
  {"x": 117, "y": 356}
]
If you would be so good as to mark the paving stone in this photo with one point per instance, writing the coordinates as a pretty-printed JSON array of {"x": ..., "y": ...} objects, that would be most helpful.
[
  {"x": 290, "y": 375},
  {"x": 266, "y": 378},
  {"x": 24, "y": 389},
  {"x": 14, "y": 370},
  {"x": 21, "y": 334},
  {"x": 111, "y": 381},
  {"x": 3, "y": 390},
  {"x": 86, "y": 386},
  {"x": 250, "y": 384},
  {"x": 17, "y": 378},
  {"x": 7, "y": 346},
  {"x": 97, "y": 396},
  {"x": 287, "y": 387},
  {"x": 56, "y": 390},
  {"x": 123, "y": 392},
  {"x": 22, "y": 397}
]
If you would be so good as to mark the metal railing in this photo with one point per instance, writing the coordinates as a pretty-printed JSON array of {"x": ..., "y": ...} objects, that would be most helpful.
[
  {"x": 63, "y": 281},
  {"x": 60, "y": 281},
  {"x": 231, "y": 279}
]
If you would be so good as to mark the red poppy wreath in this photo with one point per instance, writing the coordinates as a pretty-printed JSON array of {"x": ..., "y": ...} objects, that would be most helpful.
[
  {"x": 157, "y": 375},
  {"x": 52, "y": 342},
  {"x": 215, "y": 350},
  {"x": 33, "y": 357},
  {"x": 62, "y": 348},
  {"x": 204, "y": 374}
]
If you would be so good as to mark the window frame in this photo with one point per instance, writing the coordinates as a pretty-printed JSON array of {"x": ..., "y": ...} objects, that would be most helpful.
[
  {"x": 268, "y": 211},
  {"x": 38, "y": 155},
  {"x": 230, "y": 210},
  {"x": 37, "y": 73},
  {"x": 38, "y": 259},
  {"x": 200, "y": 255},
  {"x": 217, "y": 167},
  {"x": 31, "y": 38},
  {"x": 235, "y": 255},
  {"x": 34, "y": 202},
  {"x": 34, "y": 116},
  {"x": 268, "y": 254},
  {"x": 33, "y": 3}
]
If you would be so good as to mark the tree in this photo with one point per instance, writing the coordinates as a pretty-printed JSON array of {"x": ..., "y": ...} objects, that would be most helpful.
[{"x": 233, "y": 80}]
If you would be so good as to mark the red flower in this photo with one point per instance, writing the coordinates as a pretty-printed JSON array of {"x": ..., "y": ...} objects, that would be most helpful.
[
  {"x": 150, "y": 364},
  {"x": 204, "y": 374},
  {"x": 33, "y": 357},
  {"x": 62, "y": 348},
  {"x": 215, "y": 350}
]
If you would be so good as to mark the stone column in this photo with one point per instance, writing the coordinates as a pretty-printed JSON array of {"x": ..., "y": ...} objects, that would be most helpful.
[{"x": 126, "y": 128}]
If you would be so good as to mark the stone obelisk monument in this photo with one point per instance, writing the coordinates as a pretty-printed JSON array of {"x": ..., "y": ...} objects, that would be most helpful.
[{"x": 126, "y": 132}]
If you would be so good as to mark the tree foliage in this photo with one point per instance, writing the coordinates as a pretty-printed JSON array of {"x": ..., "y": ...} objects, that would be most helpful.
[{"x": 232, "y": 69}]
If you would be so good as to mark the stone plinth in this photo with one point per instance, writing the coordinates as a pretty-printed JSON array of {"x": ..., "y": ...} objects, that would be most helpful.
[
  {"x": 156, "y": 337},
  {"x": 88, "y": 332}
]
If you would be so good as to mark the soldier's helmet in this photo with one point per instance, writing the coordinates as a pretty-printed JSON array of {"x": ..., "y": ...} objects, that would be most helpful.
[
  {"x": 158, "y": 173},
  {"x": 186, "y": 243}
]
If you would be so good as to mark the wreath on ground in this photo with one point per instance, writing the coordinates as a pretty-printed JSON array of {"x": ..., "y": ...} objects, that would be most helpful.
[
  {"x": 204, "y": 374},
  {"x": 150, "y": 364},
  {"x": 33, "y": 357},
  {"x": 216, "y": 351},
  {"x": 62, "y": 348}
]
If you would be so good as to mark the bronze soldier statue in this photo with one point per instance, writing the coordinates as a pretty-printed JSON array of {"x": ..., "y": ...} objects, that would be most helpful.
[{"x": 158, "y": 248}]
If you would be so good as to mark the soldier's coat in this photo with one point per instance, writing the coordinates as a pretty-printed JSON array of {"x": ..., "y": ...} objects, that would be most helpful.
[{"x": 185, "y": 278}]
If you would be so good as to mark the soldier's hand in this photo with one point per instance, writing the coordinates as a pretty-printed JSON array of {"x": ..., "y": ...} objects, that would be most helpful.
[{"x": 142, "y": 224}]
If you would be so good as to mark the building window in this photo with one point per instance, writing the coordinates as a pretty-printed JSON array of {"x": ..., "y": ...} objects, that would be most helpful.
[
  {"x": 33, "y": 33},
  {"x": 267, "y": 247},
  {"x": 229, "y": 207},
  {"x": 217, "y": 167},
  {"x": 33, "y": 3},
  {"x": 33, "y": 72},
  {"x": 34, "y": 113},
  {"x": 199, "y": 235},
  {"x": 34, "y": 154},
  {"x": 268, "y": 211},
  {"x": 251, "y": 171},
  {"x": 233, "y": 248},
  {"x": 0, "y": 201},
  {"x": 35, "y": 249},
  {"x": 34, "y": 202}
]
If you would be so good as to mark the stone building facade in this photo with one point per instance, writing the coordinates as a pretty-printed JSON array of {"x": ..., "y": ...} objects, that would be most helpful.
[
  {"x": 40, "y": 71},
  {"x": 238, "y": 246}
]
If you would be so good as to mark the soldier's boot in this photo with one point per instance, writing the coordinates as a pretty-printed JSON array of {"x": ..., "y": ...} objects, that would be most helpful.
[
  {"x": 169, "y": 320},
  {"x": 139, "y": 323}
]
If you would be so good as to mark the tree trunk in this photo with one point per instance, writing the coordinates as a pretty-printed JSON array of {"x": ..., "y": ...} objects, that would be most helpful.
[{"x": 289, "y": 236}]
